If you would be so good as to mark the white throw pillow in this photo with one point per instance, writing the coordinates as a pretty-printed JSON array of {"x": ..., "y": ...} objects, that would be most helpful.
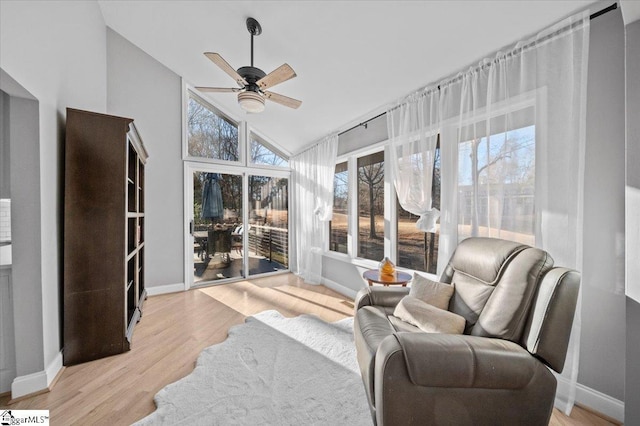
[
  {"x": 431, "y": 292},
  {"x": 427, "y": 317}
]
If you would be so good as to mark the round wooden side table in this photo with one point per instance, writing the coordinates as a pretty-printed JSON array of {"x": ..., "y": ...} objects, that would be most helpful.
[{"x": 397, "y": 278}]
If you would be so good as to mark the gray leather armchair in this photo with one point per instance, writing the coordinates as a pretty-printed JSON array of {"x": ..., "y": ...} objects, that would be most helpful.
[{"x": 518, "y": 310}]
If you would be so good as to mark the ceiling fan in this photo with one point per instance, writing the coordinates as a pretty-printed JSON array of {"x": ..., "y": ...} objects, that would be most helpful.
[{"x": 253, "y": 82}]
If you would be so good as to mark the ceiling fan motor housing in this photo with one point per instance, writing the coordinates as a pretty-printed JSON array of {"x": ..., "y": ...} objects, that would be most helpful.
[{"x": 251, "y": 74}]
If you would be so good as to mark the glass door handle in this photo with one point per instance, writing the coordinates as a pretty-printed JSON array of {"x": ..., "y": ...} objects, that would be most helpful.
[{"x": 191, "y": 227}]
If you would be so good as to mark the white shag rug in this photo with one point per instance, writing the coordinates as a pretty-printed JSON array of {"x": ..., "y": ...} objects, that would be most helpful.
[{"x": 271, "y": 370}]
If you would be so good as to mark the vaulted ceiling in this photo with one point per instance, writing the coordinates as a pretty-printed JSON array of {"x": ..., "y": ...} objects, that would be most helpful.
[{"x": 352, "y": 58}]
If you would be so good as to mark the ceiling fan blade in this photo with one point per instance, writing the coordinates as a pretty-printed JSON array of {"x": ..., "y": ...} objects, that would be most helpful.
[
  {"x": 224, "y": 66},
  {"x": 218, "y": 89},
  {"x": 283, "y": 100},
  {"x": 283, "y": 73}
]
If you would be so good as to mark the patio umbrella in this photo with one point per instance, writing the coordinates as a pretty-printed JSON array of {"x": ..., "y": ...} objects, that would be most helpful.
[{"x": 212, "y": 197}]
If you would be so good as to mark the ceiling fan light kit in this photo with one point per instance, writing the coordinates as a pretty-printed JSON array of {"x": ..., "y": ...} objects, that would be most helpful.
[
  {"x": 253, "y": 81},
  {"x": 251, "y": 101}
]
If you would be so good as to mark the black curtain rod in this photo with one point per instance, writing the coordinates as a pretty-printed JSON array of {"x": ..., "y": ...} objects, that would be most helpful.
[
  {"x": 594, "y": 15},
  {"x": 364, "y": 123},
  {"x": 603, "y": 11}
]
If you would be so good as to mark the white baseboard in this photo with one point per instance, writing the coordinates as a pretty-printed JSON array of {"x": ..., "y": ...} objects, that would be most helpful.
[
  {"x": 591, "y": 399},
  {"x": 54, "y": 368},
  {"x": 600, "y": 402},
  {"x": 27, "y": 384},
  {"x": 36, "y": 382},
  {"x": 164, "y": 289},
  {"x": 346, "y": 291}
]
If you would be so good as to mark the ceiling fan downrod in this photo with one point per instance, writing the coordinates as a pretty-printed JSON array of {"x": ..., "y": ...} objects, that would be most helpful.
[
  {"x": 253, "y": 82},
  {"x": 255, "y": 30}
]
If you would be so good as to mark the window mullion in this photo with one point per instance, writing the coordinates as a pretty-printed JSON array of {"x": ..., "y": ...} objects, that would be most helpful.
[
  {"x": 352, "y": 232},
  {"x": 390, "y": 211},
  {"x": 243, "y": 142}
]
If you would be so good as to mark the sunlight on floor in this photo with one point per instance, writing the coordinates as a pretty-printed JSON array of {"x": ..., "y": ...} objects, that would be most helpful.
[{"x": 255, "y": 295}]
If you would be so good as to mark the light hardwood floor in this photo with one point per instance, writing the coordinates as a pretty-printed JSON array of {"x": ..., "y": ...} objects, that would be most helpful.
[{"x": 174, "y": 329}]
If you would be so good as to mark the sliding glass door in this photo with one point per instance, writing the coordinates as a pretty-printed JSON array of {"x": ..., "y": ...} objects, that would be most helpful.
[
  {"x": 216, "y": 225},
  {"x": 238, "y": 224},
  {"x": 268, "y": 230}
]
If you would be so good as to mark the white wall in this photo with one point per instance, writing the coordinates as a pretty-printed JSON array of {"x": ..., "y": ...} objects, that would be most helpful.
[
  {"x": 5, "y": 179},
  {"x": 25, "y": 212},
  {"x": 361, "y": 136},
  {"x": 632, "y": 233},
  {"x": 142, "y": 88},
  {"x": 57, "y": 51},
  {"x": 633, "y": 159},
  {"x": 602, "y": 349}
]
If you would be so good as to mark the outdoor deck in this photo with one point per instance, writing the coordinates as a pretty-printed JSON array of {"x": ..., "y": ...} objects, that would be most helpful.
[{"x": 229, "y": 265}]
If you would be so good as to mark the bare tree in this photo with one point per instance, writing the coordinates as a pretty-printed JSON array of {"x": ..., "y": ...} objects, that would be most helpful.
[
  {"x": 340, "y": 190},
  {"x": 211, "y": 135},
  {"x": 372, "y": 175},
  {"x": 431, "y": 255},
  {"x": 260, "y": 154},
  {"x": 496, "y": 167}
]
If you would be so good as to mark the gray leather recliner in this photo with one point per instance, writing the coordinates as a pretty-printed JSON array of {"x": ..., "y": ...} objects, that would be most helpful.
[{"x": 519, "y": 311}]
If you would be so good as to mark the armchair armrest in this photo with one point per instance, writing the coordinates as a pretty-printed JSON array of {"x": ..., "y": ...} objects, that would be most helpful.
[
  {"x": 463, "y": 379},
  {"x": 460, "y": 361},
  {"x": 380, "y": 296}
]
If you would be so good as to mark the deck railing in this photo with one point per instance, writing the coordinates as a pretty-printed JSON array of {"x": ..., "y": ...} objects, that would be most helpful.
[{"x": 270, "y": 242}]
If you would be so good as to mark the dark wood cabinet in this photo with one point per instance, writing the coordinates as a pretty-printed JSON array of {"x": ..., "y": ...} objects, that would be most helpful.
[{"x": 103, "y": 235}]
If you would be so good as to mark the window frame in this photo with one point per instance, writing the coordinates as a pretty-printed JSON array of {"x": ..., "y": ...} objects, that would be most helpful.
[
  {"x": 348, "y": 253},
  {"x": 243, "y": 167},
  {"x": 244, "y": 136},
  {"x": 274, "y": 148},
  {"x": 385, "y": 182},
  {"x": 396, "y": 246},
  {"x": 464, "y": 208},
  {"x": 536, "y": 99},
  {"x": 190, "y": 93},
  {"x": 351, "y": 159}
]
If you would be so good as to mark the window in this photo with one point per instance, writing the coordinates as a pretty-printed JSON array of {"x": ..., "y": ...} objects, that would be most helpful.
[
  {"x": 210, "y": 134},
  {"x": 406, "y": 245},
  {"x": 338, "y": 226},
  {"x": 371, "y": 206},
  {"x": 418, "y": 250},
  {"x": 262, "y": 153},
  {"x": 495, "y": 197},
  {"x": 496, "y": 184},
  {"x": 268, "y": 228}
]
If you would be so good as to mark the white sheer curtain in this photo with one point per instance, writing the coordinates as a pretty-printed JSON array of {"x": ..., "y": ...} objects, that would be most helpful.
[
  {"x": 413, "y": 134},
  {"x": 312, "y": 177},
  {"x": 512, "y": 147}
]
